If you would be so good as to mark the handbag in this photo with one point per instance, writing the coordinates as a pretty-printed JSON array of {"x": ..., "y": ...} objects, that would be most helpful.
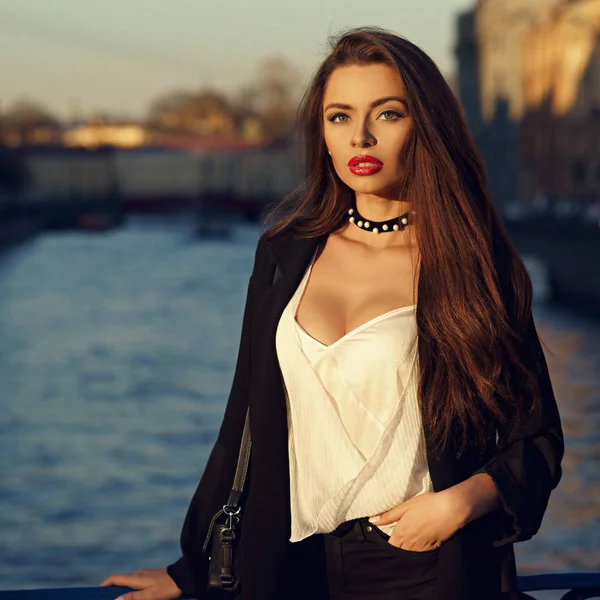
[{"x": 224, "y": 531}]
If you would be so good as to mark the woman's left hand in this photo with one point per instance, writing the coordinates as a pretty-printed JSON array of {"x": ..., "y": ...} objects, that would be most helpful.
[{"x": 424, "y": 522}]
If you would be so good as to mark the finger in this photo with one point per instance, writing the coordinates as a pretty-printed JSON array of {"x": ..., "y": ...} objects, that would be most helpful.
[
  {"x": 135, "y": 596},
  {"x": 406, "y": 542},
  {"x": 414, "y": 546},
  {"x": 151, "y": 593},
  {"x": 110, "y": 580},
  {"x": 389, "y": 516},
  {"x": 136, "y": 574},
  {"x": 131, "y": 596},
  {"x": 395, "y": 540},
  {"x": 132, "y": 580}
]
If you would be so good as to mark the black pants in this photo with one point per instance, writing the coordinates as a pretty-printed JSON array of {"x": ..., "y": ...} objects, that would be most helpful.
[{"x": 363, "y": 565}]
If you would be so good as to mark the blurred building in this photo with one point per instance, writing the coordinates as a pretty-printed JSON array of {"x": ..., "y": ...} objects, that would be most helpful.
[
  {"x": 179, "y": 119},
  {"x": 560, "y": 141},
  {"x": 94, "y": 134},
  {"x": 529, "y": 81}
]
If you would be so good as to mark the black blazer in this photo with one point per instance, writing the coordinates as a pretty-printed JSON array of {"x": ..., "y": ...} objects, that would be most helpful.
[{"x": 476, "y": 563}]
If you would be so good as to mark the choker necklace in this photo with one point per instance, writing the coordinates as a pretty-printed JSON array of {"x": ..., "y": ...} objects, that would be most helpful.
[{"x": 395, "y": 224}]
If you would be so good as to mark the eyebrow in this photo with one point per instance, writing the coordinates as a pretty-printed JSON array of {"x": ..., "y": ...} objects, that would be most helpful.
[{"x": 372, "y": 105}]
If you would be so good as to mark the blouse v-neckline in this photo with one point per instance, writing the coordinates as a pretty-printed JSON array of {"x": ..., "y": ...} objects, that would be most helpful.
[{"x": 350, "y": 333}]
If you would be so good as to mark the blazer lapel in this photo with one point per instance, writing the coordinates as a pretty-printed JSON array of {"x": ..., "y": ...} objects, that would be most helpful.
[
  {"x": 291, "y": 253},
  {"x": 290, "y": 256},
  {"x": 269, "y": 494}
]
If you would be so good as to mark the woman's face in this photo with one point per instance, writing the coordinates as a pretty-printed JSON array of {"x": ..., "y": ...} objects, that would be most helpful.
[{"x": 364, "y": 114}]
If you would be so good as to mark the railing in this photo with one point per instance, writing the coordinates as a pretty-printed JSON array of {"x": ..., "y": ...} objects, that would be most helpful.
[{"x": 580, "y": 586}]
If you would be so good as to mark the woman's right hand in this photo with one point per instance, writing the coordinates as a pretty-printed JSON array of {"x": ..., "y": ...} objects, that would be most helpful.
[{"x": 152, "y": 584}]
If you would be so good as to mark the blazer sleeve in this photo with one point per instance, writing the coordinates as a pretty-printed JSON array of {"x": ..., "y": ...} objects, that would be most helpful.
[
  {"x": 527, "y": 464},
  {"x": 190, "y": 571}
]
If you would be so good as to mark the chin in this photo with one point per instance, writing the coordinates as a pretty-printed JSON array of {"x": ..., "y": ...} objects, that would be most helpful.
[{"x": 371, "y": 186}]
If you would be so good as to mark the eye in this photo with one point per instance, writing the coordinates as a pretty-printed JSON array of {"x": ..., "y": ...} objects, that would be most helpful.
[
  {"x": 333, "y": 118},
  {"x": 394, "y": 115}
]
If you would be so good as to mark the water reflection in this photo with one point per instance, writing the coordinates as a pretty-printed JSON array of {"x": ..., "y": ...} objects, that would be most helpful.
[{"x": 568, "y": 539}]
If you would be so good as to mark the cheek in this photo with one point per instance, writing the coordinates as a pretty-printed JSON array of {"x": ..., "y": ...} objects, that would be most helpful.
[
  {"x": 333, "y": 139},
  {"x": 338, "y": 149},
  {"x": 403, "y": 139}
]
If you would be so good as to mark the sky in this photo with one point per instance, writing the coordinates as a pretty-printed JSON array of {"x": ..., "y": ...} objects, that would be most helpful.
[{"x": 117, "y": 56}]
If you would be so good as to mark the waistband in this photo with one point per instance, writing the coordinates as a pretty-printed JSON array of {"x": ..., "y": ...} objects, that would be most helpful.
[
  {"x": 360, "y": 526},
  {"x": 344, "y": 528}
]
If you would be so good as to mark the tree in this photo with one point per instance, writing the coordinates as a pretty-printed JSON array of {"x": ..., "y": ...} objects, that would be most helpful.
[
  {"x": 272, "y": 95},
  {"x": 28, "y": 122},
  {"x": 29, "y": 114},
  {"x": 166, "y": 110},
  {"x": 203, "y": 112}
]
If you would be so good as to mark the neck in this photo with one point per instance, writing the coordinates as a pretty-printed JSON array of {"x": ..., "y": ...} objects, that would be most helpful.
[
  {"x": 375, "y": 208},
  {"x": 392, "y": 240},
  {"x": 392, "y": 230}
]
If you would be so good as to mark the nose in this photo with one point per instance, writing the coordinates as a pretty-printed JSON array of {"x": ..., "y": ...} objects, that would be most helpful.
[{"x": 362, "y": 137}]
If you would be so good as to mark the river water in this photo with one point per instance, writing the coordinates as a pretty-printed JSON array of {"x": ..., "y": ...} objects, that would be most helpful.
[{"x": 117, "y": 354}]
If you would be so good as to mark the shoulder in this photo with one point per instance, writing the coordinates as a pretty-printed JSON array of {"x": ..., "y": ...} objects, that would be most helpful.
[
  {"x": 278, "y": 248},
  {"x": 270, "y": 242},
  {"x": 265, "y": 253}
]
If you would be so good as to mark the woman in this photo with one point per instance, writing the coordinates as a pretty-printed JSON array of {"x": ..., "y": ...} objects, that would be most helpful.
[{"x": 405, "y": 432}]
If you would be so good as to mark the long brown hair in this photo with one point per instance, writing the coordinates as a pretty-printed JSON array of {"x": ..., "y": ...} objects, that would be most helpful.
[{"x": 474, "y": 292}]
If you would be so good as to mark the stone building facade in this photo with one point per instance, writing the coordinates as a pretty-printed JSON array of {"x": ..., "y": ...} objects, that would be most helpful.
[{"x": 529, "y": 80}]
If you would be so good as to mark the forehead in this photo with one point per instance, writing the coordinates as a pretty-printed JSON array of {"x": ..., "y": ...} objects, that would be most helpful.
[{"x": 361, "y": 84}]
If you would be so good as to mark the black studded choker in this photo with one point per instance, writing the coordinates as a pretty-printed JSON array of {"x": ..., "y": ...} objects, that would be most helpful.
[{"x": 395, "y": 224}]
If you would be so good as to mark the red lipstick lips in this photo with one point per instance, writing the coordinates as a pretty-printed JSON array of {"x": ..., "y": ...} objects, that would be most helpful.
[{"x": 364, "y": 165}]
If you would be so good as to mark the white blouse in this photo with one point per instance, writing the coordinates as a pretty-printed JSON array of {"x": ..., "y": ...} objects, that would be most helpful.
[{"x": 355, "y": 436}]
